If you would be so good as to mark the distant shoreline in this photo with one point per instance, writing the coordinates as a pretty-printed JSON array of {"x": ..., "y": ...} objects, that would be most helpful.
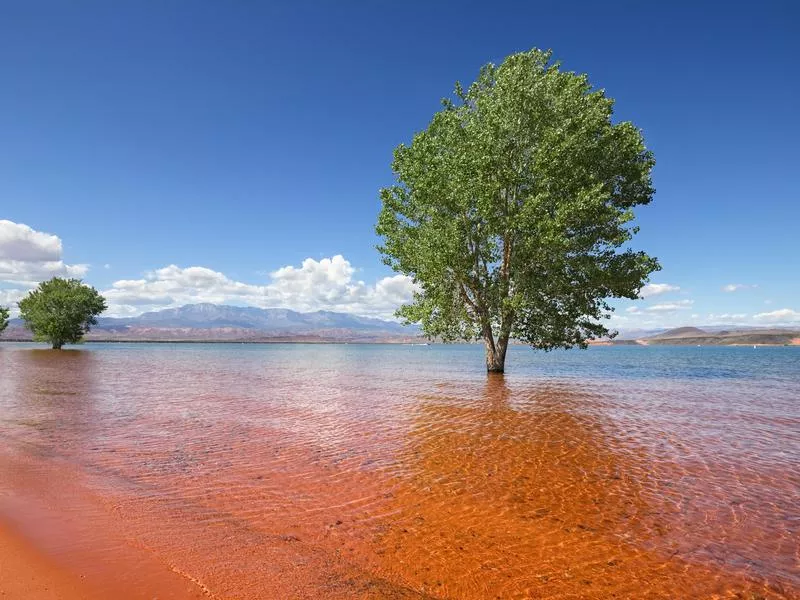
[
  {"x": 600, "y": 343},
  {"x": 718, "y": 342},
  {"x": 212, "y": 341},
  {"x": 646, "y": 344}
]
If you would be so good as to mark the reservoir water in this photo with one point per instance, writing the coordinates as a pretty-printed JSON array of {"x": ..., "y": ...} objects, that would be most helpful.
[{"x": 392, "y": 471}]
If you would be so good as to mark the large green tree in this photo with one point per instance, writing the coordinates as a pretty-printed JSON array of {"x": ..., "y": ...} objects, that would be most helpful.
[
  {"x": 4, "y": 313},
  {"x": 512, "y": 211},
  {"x": 61, "y": 311}
]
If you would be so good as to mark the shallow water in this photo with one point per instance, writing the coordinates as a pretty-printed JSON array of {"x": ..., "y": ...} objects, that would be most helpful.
[{"x": 342, "y": 471}]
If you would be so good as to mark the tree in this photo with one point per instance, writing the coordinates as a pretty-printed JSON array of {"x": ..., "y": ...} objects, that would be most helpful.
[
  {"x": 4, "y": 313},
  {"x": 61, "y": 311},
  {"x": 512, "y": 211}
]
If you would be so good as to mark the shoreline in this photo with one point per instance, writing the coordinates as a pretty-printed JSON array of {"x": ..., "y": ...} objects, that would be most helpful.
[
  {"x": 795, "y": 342},
  {"x": 59, "y": 541},
  {"x": 26, "y": 572},
  {"x": 239, "y": 342}
]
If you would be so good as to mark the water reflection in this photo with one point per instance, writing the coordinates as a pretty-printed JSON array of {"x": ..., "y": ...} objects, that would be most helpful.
[{"x": 45, "y": 393}]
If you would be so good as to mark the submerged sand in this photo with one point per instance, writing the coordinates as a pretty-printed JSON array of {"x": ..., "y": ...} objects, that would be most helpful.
[
  {"x": 26, "y": 573},
  {"x": 133, "y": 475}
]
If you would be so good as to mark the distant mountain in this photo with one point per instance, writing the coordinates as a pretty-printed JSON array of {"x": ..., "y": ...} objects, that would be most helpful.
[
  {"x": 693, "y": 336},
  {"x": 634, "y": 334},
  {"x": 212, "y": 322},
  {"x": 210, "y": 316},
  {"x": 222, "y": 323},
  {"x": 713, "y": 335},
  {"x": 680, "y": 332}
]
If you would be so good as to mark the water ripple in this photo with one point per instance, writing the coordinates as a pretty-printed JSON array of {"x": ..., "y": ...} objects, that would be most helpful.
[{"x": 383, "y": 472}]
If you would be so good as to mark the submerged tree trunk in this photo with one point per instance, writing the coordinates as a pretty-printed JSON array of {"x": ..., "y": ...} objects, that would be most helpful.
[
  {"x": 496, "y": 353},
  {"x": 57, "y": 345}
]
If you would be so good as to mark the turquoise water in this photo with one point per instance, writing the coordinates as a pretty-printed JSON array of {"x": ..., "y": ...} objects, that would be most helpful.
[{"x": 625, "y": 362}]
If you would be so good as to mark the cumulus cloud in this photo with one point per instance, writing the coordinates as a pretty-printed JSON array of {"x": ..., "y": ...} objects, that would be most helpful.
[
  {"x": 22, "y": 243},
  {"x": 735, "y": 287},
  {"x": 10, "y": 297},
  {"x": 28, "y": 256},
  {"x": 29, "y": 274},
  {"x": 783, "y": 315},
  {"x": 656, "y": 289},
  {"x": 668, "y": 307},
  {"x": 327, "y": 284},
  {"x": 726, "y": 318}
]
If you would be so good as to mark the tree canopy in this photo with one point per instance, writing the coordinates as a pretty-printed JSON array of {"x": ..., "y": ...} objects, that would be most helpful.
[
  {"x": 61, "y": 311},
  {"x": 4, "y": 314},
  {"x": 512, "y": 211}
]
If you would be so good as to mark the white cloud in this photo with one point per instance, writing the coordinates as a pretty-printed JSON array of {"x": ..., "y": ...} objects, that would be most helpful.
[
  {"x": 726, "y": 318},
  {"x": 670, "y": 306},
  {"x": 666, "y": 307},
  {"x": 783, "y": 315},
  {"x": 735, "y": 287},
  {"x": 327, "y": 284},
  {"x": 28, "y": 256},
  {"x": 29, "y": 274},
  {"x": 641, "y": 320},
  {"x": 656, "y": 289},
  {"x": 20, "y": 242},
  {"x": 10, "y": 297}
]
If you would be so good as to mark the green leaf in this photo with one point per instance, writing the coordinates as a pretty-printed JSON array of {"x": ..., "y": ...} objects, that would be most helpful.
[
  {"x": 61, "y": 311},
  {"x": 512, "y": 211}
]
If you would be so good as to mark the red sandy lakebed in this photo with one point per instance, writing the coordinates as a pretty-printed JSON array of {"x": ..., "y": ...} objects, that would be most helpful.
[{"x": 382, "y": 472}]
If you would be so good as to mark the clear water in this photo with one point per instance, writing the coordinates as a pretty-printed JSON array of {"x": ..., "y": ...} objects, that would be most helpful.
[{"x": 340, "y": 471}]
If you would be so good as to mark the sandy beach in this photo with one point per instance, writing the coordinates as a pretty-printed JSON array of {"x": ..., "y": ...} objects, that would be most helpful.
[
  {"x": 26, "y": 573},
  {"x": 53, "y": 546}
]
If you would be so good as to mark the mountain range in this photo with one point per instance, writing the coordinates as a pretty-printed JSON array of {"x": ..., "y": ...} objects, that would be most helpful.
[
  {"x": 712, "y": 336},
  {"x": 212, "y": 322},
  {"x": 209, "y": 316},
  {"x": 221, "y": 323}
]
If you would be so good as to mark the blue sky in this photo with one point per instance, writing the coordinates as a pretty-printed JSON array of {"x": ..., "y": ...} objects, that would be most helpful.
[{"x": 249, "y": 140}]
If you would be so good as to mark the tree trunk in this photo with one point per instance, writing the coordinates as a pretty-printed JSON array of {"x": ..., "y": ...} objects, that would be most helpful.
[
  {"x": 496, "y": 354},
  {"x": 57, "y": 345}
]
